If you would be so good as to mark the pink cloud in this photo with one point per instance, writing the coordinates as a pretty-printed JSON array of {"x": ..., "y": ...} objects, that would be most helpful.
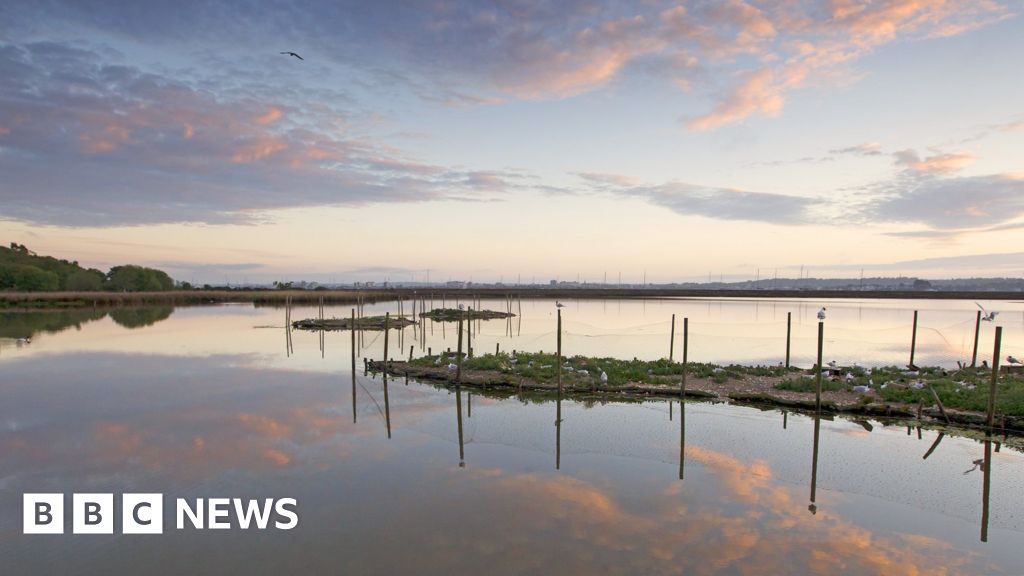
[
  {"x": 759, "y": 93},
  {"x": 936, "y": 164},
  {"x": 272, "y": 115}
]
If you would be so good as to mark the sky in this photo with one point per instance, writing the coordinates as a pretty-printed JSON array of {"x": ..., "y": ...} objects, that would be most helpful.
[{"x": 516, "y": 140}]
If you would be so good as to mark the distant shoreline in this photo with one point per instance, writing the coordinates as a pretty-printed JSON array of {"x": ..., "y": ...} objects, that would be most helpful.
[{"x": 60, "y": 300}]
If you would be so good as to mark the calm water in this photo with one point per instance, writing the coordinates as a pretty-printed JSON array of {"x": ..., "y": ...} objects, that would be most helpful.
[{"x": 207, "y": 402}]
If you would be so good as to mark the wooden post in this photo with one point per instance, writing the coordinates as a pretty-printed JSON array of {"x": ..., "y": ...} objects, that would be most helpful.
[
  {"x": 353, "y": 340},
  {"x": 559, "y": 353},
  {"x": 995, "y": 378},
  {"x": 410, "y": 353},
  {"x": 386, "y": 322},
  {"x": 469, "y": 333},
  {"x": 686, "y": 342},
  {"x": 458, "y": 360},
  {"x": 789, "y": 332},
  {"x": 942, "y": 409},
  {"x": 817, "y": 378},
  {"x": 977, "y": 332},
  {"x": 672, "y": 339},
  {"x": 497, "y": 348},
  {"x": 913, "y": 342}
]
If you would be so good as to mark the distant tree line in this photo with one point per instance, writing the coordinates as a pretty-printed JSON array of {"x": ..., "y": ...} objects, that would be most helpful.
[{"x": 25, "y": 271}]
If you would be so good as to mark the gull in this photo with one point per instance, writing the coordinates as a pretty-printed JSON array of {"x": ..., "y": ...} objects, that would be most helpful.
[
  {"x": 604, "y": 377},
  {"x": 821, "y": 313},
  {"x": 462, "y": 306},
  {"x": 979, "y": 463},
  {"x": 559, "y": 304},
  {"x": 988, "y": 316},
  {"x": 293, "y": 54},
  {"x": 1012, "y": 360}
]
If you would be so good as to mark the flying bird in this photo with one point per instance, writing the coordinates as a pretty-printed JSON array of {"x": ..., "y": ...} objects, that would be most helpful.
[
  {"x": 821, "y": 313},
  {"x": 987, "y": 316},
  {"x": 293, "y": 54}
]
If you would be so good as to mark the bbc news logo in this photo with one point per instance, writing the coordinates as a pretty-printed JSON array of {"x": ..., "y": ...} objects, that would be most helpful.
[{"x": 144, "y": 513}]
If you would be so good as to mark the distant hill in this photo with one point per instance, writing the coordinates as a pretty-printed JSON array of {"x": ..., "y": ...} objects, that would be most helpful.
[{"x": 23, "y": 270}]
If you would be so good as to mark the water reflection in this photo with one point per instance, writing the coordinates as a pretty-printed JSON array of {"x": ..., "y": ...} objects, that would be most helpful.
[
  {"x": 813, "y": 506},
  {"x": 140, "y": 317},
  {"x": 458, "y": 412},
  {"x": 682, "y": 438},
  {"x": 16, "y": 325},
  {"x": 217, "y": 425}
]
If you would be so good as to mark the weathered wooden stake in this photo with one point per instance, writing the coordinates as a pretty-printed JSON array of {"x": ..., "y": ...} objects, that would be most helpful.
[
  {"x": 942, "y": 409},
  {"x": 497, "y": 348},
  {"x": 817, "y": 379},
  {"x": 789, "y": 332},
  {"x": 686, "y": 344},
  {"x": 559, "y": 356},
  {"x": 913, "y": 341},
  {"x": 977, "y": 332},
  {"x": 410, "y": 353},
  {"x": 995, "y": 378},
  {"x": 353, "y": 340},
  {"x": 458, "y": 369},
  {"x": 387, "y": 316},
  {"x": 672, "y": 339}
]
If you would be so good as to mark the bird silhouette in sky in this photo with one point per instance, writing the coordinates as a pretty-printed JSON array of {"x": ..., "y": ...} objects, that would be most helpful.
[{"x": 293, "y": 54}]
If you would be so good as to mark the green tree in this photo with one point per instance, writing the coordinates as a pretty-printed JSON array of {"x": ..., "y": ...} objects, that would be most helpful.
[
  {"x": 27, "y": 278},
  {"x": 133, "y": 278},
  {"x": 85, "y": 281}
]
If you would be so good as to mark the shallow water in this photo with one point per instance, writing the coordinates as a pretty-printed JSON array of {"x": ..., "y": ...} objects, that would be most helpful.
[{"x": 207, "y": 402}]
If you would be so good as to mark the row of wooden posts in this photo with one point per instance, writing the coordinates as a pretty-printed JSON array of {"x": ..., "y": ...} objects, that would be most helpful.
[
  {"x": 682, "y": 392},
  {"x": 990, "y": 412}
]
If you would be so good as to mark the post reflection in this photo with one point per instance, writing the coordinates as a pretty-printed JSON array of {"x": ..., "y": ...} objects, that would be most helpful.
[
  {"x": 985, "y": 490},
  {"x": 682, "y": 438},
  {"x": 813, "y": 507},
  {"x": 558, "y": 435},
  {"x": 458, "y": 411},
  {"x": 935, "y": 444},
  {"x": 387, "y": 405}
]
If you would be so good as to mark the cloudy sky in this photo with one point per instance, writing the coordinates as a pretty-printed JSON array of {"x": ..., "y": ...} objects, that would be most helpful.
[{"x": 519, "y": 138}]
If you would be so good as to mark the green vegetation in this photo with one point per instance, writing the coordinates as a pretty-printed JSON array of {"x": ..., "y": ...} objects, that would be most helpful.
[
  {"x": 138, "y": 279},
  {"x": 965, "y": 389},
  {"x": 364, "y": 323},
  {"x": 543, "y": 367},
  {"x": 454, "y": 314},
  {"x": 25, "y": 271}
]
